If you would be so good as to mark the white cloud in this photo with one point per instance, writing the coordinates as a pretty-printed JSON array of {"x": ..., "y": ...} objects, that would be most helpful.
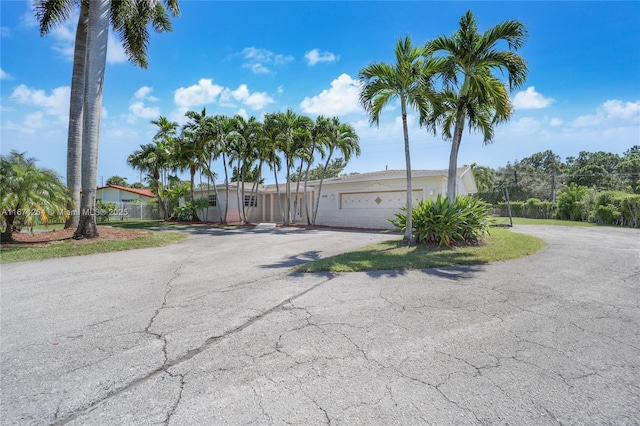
[
  {"x": 530, "y": 99},
  {"x": 316, "y": 55},
  {"x": 4, "y": 75},
  {"x": 5, "y": 31},
  {"x": 259, "y": 60},
  {"x": 137, "y": 107},
  {"x": 612, "y": 112},
  {"x": 56, "y": 103},
  {"x": 255, "y": 100},
  {"x": 205, "y": 92},
  {"x": 242, "y": 113},
  {"x": 556, "y": 122},
  {"x": 342, "y": 98},
  {"x": 144, "y": 93}
]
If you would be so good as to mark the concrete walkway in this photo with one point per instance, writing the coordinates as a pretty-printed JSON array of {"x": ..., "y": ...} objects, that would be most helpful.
[{"x": 216, "y": 330}]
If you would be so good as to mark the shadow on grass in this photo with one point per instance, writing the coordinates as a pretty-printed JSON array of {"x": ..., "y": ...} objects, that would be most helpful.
[{"x": 392, "y": 258}]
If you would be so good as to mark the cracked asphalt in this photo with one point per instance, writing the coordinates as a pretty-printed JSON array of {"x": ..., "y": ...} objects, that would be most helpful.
[{"x": 217, "y": 330}]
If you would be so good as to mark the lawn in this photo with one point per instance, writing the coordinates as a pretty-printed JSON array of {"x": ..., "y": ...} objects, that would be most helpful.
[
  {"x": 110, "y": 240},
  {"x": 502, "y": 244},
  {"x": 526, "y": 221}
]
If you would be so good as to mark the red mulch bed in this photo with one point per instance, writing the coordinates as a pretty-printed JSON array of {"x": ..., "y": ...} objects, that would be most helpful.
[{"x": 41, "y": 238}]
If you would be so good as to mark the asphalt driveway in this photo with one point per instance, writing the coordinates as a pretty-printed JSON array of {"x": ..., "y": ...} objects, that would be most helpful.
[{"x": 216, "y": 330}]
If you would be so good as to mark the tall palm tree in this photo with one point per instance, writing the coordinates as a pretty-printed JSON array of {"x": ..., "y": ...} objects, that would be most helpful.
[
  {"x": 222, "y": 127},
  {"x": 27, "y": 190},
  {"x": 340, "y": 137},
  {"x": 318, "y": 142},
  {"x": 129, "y": 19},
  {"x": 409, "y": 81},
  {"x": 242, "y": 150},
  {"x": 96, "y": 57},
  {"x": 271, "y": 136},
  {"x": 293, "y": 131},
  {"x": 194, "y": 149},
  {"x": 480, "y": 98},
  {"x": 156, "y": 159}
]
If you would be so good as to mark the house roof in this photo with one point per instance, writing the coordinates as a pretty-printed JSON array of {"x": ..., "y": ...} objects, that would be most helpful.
[
  {"x": 360, "y": 177},
  {"x": 391, "y": 174},
  {"x": 143, "y": 192}
]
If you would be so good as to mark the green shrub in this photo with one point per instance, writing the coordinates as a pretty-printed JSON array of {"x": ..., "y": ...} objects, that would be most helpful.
[
  {"x": 616, "y": 208},
  {"x": 533, "y": 208},
  {"x": 441, "y": 222},
  {"x": 104, "y": 209},
  {"x": 573, "y": 203}
]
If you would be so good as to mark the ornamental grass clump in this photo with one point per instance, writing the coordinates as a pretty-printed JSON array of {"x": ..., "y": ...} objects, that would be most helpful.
[{"x": 442, "y": 222}]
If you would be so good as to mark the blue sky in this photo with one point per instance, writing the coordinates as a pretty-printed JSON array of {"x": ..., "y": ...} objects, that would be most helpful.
[{"x": 251, "y": 58}]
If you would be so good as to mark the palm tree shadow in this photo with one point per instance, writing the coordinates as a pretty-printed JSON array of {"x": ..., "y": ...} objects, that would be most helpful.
[
  {"x": 295, "y": 260},
  {"x": 455, "y": 273}
]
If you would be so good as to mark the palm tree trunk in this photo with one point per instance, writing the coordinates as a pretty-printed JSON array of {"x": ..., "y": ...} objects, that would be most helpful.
[
  {"x": 254, "y": 191},
  {"x": 408, "y": 233},
  {"x": 192, "y": 173},
  {"x": 324, "y": 173},
  {"x": 7, "y": 234},
  {"x": 74, "y": 138},
  {"x": 275, "y": 175},
  {"x": 226, "y": 185},
  {"x": 452, "y": 176},
  {"x": 295, "y": 200},
  {"x": 97, "y": 37},
  {"x": 287, "y": 194}
]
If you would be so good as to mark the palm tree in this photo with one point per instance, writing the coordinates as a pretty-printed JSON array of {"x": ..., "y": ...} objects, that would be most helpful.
[
  {"x": 129, "y": 18},
  {"x": 96, "y": 61},
  {"x": 222, "y": 127},
  {"x": 409, "y": 80},
  {"x": 243, "y": 149},
  {"x": 340, "y": 137},
  {"x": 271, "y": 136},
  {"x": 27, "y": 191},
  {"x": 318, "y": 141},
  {"x": 479, "y": 98},
  {"x": 157, "y": 158},
  {"x": 293, "y": 131},
  {"x": 193, "y": 149}
]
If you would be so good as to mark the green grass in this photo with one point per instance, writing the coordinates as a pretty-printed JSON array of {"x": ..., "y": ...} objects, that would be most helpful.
[
  {"x": 526, "y": 221},
  {"x": 502, "y": 244},
  {"x": 65, "y": 248}
]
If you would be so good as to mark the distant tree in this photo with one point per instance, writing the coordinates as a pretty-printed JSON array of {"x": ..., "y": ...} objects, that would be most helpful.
[
  {"x": 595, "y": 170},
  {"x": 333, "y": 169},
  {"x": 483, "y": 177},
  {"x": 117, "y": 180},
  {"x": 28, "y": 191},
  {"x": 629, "y": 165},
  {"x": 138, "y": 185}
]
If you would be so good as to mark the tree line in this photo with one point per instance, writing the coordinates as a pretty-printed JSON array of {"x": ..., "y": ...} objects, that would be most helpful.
[
  {"x": 244, "y": 148},
  {"x": 544, "y": 174}
]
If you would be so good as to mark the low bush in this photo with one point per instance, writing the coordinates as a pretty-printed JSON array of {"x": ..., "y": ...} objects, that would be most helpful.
[
  {"x": 533, "y": 208},
  {"x": 616, "y": 208},
  {"x": 442, "y": 222}
]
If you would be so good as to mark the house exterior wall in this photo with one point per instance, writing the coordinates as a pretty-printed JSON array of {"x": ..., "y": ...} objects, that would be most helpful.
[
  {"x": 366, "y": 202},
  {"x": 372, "y": 204},
  {"x": 215, "y": 213},
  {"x": 114, "y": 195}
]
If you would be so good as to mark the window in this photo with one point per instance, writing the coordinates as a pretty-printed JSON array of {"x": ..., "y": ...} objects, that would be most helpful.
[
  {"x": 250, "y": 201},
  {"x": 213, "y": 200},
  {"x": 127, "y": 201}
]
